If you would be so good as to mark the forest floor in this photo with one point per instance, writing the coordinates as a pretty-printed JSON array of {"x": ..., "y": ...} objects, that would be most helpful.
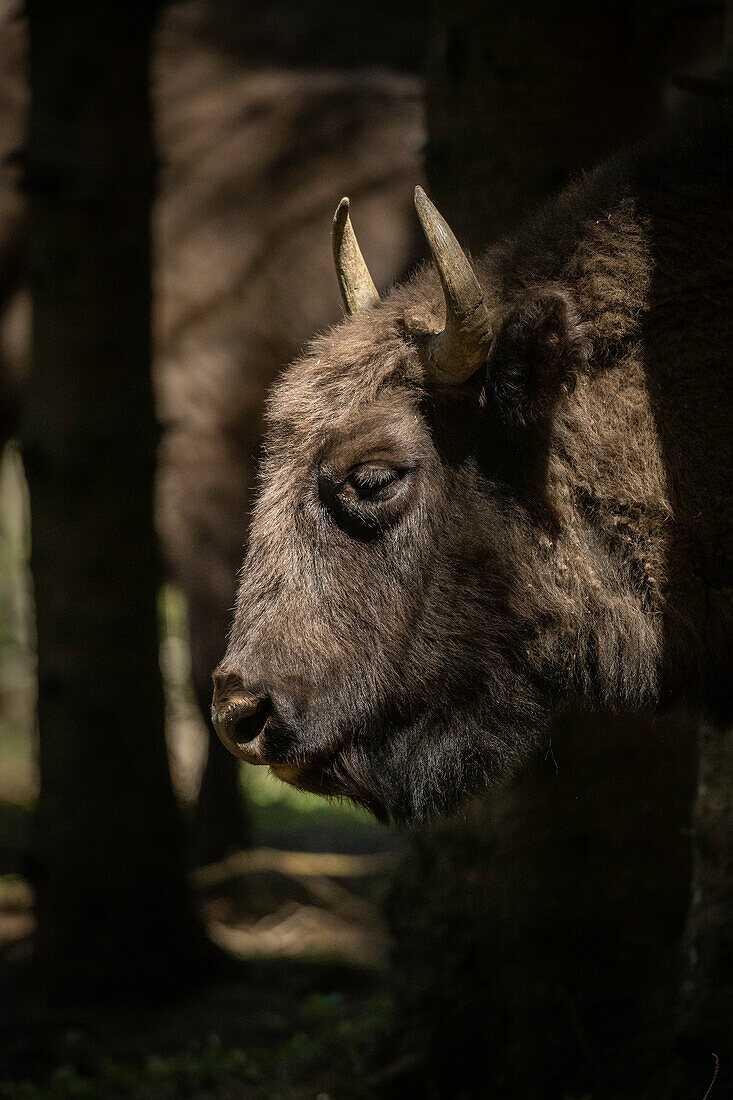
[{"x": 302, "y": 1013}]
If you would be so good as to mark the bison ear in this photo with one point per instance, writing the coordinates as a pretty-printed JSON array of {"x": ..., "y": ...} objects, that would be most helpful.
[{"x": 541, "y": 349}]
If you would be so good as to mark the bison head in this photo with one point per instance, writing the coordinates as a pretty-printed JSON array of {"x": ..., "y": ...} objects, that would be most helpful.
[{"x": 419, "y": 588}]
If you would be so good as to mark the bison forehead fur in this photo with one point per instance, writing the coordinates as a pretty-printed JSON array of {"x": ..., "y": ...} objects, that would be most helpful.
[{"x": 434, "y": 569}]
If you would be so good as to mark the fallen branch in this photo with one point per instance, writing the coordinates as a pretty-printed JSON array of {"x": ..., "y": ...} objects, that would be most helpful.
[{"x": 715, "y": 1076}]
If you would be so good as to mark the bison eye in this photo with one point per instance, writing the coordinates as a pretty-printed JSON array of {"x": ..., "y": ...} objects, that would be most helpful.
[
  {"x": 369, "y": 499},
  {"x": 372, "y": 481}
]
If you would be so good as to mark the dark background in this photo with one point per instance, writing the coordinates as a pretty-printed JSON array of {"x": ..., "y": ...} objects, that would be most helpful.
[{"x": 169, "y": 927}]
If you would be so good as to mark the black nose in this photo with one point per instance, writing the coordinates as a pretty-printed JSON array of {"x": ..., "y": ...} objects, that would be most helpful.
[{"x": 240, "y": 715}]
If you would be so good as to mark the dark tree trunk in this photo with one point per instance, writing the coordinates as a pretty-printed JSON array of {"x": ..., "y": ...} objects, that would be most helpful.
[
  {"x": 705, "y": 1022},
  {"x": 536, "y": 940},
  {"x": 221, "y": 820},
  {"x": 113, "y": 906},
  {"x": 705, "y": 1010}
]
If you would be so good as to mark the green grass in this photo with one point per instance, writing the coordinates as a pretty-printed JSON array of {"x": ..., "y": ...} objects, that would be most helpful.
[
  {"x": 266, "y": 792},
  {"x": 14, "y": 549},
  {"x": 328, "y": 1051},
  {"x": 18, "y": 778},
  {"x": 284, "y": 817}
]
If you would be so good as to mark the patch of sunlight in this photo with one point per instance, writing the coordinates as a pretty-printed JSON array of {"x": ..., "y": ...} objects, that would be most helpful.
[
  {"x": 265, "y": 790},
  {"x": 18, "y": 771},
  {"x": 185, "y": 732}
]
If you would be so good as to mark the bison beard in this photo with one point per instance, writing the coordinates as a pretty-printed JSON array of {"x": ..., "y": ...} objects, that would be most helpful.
[{"x": 411, "y": 773}]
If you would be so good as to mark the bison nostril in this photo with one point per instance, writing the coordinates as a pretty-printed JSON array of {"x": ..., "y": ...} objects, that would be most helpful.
[{"x": 241, "y": 719}]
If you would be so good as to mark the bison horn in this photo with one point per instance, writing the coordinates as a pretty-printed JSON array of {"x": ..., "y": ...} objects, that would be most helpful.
[
  {"x": 355, "y": 283},
  {"x": 463, "y": 346}
]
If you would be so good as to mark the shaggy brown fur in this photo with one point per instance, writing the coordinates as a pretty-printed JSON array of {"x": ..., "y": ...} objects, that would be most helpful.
[{"x": 433, "y": 571}]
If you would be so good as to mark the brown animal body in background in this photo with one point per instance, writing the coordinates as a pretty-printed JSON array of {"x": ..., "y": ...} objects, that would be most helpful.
[
  {"x": 456, "y": 534},
  {"x": 251, "y": 163}
]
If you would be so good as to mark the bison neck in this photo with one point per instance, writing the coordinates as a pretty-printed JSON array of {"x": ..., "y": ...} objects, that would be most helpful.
[{"x": 640, "y": 461}]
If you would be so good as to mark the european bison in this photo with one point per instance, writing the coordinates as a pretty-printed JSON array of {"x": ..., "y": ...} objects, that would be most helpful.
[{"x": 500, "y": 487}]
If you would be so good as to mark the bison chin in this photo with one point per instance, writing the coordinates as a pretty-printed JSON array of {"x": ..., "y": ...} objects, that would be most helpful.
[
  {"x": 414, "y": 774},
  {"x": 341, "y": 777}
]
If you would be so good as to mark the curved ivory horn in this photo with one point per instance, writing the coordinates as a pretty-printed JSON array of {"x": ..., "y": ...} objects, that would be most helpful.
[
  {"x": 462, "y": 347},
  {"x": 355, "y": 283}
]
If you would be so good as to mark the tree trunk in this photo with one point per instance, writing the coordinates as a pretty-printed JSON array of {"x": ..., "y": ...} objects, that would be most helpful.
[
  {"x": 705, "y": 1022},
  {"x": 113, "y": 907},
  {"x": 221, "y": 820}
]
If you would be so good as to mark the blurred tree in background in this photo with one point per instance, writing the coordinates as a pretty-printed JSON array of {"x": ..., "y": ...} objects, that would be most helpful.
[{"x": 112, "y": 903}]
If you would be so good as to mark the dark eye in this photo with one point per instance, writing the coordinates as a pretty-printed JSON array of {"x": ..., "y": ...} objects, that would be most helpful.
[
  {"x": 372, "y": 481},
  {"x": 369, "y": 498}
]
